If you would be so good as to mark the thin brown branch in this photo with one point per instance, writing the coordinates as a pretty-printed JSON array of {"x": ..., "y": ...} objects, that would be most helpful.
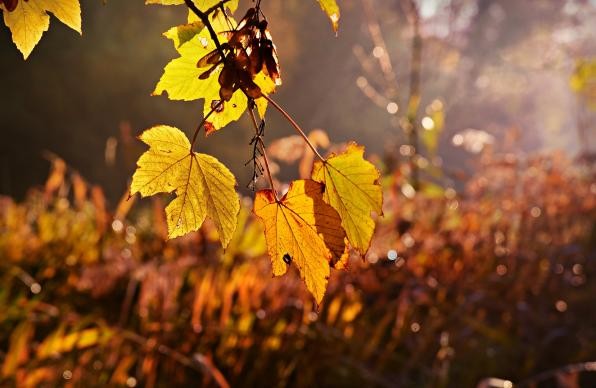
[
  {"x": 198, "y": 129},
  {"x": 204, "y": 16},
  {"x": 251, "y": 113},
  {"x": 295, "y": 125},
  {"x": 376, "y": 35}
]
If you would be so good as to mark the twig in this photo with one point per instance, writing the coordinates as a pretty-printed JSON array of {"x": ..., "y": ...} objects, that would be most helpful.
[
  {"x": 295, "y": 125},
  {"x": 258, "y": 168},
  {"x": 384, "y": 60},
  {"x": 204, "y": 16},
  {"x": 194, "y": 136},
  {"x": 264, "y": 153}
]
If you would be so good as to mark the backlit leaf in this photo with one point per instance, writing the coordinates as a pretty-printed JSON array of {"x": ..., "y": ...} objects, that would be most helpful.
[
  {"x": 267, "y": 87},
  {"x": 30, "y": 19},
  {"x": 233, "y": 109},
  {"x": 203, "y": 186},
  {"x": 302, "y": 229},
  {"x": 67, "y": 11},
  {"x": 203, "y": 5},
  {"x": 165, "y": 2},
  {"x": 185, "y": 32},
  {"x": 181, "y": 76},
  {"x": 180, "y": 79},
  {"x": 227, "y": 112},
  {"x": 352, "y": 188},
  {"x": 331, "y": 8}
]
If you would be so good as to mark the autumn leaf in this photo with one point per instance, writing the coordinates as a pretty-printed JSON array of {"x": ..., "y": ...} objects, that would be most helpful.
[
  {"x": 203, "y": 186},
  {"x": 352, "y": 188},
  {"x": 331, "y": 8},
  {"x": 165, "y": 2},
  {"x": 206, "y": 4},
  {"x": 267, "y": 86},
  {"x": 185, "y": 32},
  {"x": 224, "y": 112},
  {"x": 203, "y": 5},
  {"x": 301, "y": 228},
  {"x": 181, "y": 81},
  {"x": 30, "y": 19}
]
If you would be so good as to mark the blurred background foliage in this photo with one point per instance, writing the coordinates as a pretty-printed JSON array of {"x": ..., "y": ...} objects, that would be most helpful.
[
  {"x": 495, "y": 280},
  {"x": 479, "y": 113}
]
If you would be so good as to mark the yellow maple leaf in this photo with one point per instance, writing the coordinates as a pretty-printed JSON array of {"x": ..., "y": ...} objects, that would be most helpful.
[
  {"x": 301, "y": 228},
  {"x": 331, "y": 8},
  {"x": 203, "y": 186},
  {"x": 267, "y": 87},
  {"x": 165, "y": 2},
  {"x": 232, "y": 110},
  {"x": 224, "y": 111},
  {"x": 203, "y": 5},
  {"x": 30, "y": 19},
  {"x": 352, "y": 188},
  {"x": 184, "y": 32},
  {"x": 181, "y": 81}
]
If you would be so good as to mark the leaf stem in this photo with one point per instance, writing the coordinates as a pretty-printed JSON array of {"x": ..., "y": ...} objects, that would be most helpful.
[
  {"x": 194, "y": 136},
  {"x": 295, "y": 125},
  {"x": 251, "y": 113}
]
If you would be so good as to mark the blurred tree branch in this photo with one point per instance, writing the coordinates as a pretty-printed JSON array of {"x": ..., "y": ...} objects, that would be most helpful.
[{"x": 387, "y": 97}]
